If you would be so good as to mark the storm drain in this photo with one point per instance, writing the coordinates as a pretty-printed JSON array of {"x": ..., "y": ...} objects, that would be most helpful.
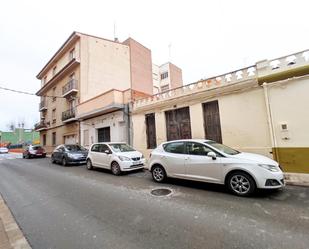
[{"x": 161, "y": 192}]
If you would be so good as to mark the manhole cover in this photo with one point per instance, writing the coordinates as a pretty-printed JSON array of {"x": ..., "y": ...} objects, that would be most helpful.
[{"x": 161, "y": 191}]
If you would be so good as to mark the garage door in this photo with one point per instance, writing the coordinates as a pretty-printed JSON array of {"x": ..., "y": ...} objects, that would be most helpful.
[{"x": 70, "y": 139}]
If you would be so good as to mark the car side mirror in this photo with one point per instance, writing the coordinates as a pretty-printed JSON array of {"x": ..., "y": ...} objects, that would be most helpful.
[
  {"x": 212, "y": 155},
  {"x": 107, "y": 152}
]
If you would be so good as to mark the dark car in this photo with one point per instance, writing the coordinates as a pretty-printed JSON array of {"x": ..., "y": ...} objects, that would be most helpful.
[
  {"x": 69, "y": 154},
  {"x": 32, "y": 151}
]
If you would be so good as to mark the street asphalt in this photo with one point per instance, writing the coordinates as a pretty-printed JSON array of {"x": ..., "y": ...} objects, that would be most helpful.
[{"x": 71, "y": 207}]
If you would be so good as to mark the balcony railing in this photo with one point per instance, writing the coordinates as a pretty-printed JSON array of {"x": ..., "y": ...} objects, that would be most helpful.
[
  {"x": 43, "y": 105},
  {"x": 70, "y": 88},
  {"x": 69, "y": 115},
  {"x": 40, "y": 126}
]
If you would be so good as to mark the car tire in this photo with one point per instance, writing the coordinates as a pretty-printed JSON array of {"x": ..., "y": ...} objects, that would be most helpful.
[
  {"x": 27, "y": 156},
  {"x": 64, "y": 162},
  {"x": 52, "y": 159},
  {"x": 115, "y": 168},
  {"x": 89, "y": 164},
  {"x": 158, "y": 173},
  {"x": 241, "y": 183}
]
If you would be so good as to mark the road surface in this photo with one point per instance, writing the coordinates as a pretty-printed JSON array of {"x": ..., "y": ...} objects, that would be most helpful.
[{"x": 71, "y": 207}]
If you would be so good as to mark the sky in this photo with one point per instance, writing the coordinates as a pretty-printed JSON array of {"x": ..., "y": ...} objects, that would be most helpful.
[{"x": 207, "y": 38}]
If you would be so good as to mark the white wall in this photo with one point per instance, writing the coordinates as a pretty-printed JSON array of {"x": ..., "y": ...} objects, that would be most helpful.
[
  {"x": 114, "y": 120},
  {"x": 289, "y": 102}
]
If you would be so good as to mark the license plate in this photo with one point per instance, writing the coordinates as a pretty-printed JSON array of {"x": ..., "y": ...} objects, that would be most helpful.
[
  {"x": 137, "y": 163},
  {"x": 39, "y": 154}
]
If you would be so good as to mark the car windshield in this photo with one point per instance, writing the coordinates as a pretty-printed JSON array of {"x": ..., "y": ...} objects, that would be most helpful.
[
  {"x": 37, "y": 148},
  {"x": 74, "y": 147},
  {"x": 121, "y": 147},
  {"x": 223, "y": 148}
]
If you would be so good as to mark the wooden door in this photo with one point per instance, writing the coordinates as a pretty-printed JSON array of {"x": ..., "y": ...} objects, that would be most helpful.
[
  {"x": 178, "y": 124},
  {"x": 212, "y": 124},
  {"x": 151, "y": 131}
]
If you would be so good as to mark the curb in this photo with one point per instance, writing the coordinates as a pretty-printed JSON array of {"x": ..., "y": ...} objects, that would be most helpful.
[
  {"x": 10, "y": 232},
  {"x": 297, "y": 179}
]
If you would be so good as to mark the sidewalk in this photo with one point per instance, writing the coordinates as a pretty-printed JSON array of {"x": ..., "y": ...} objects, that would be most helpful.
[
  {"x": 297, "y": 179},
  {"x": 11, "y": 237}
]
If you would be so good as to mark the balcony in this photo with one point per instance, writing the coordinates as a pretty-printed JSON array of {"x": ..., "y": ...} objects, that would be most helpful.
[
  {"x": 109, "y": 101},
  {"x": 43, "y": 105},
  {"x": 70, "y": 88},
  {"x": 42, "y": 125},
  {"x": 69, "y": 115}
]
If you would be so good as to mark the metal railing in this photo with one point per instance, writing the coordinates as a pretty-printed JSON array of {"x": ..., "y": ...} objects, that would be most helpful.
[
  {"x": 42, "y": 104},
  {"x": 40, "y": 125},
  {"x": 72, "y": 84},
  {"x": 68, "y": 114}
]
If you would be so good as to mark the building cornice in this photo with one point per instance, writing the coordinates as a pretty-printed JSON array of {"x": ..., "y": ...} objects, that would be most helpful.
[{"x": 71, "y": 40}]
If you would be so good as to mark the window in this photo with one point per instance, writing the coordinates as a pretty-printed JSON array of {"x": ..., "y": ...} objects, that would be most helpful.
[
  {"x": 164, "y": 75},
  {"x": 86, "y": 137},
  {"x": 177, "y": 147},
  {"x": 54, "y": 116},
  {"x": 103, "y": 148},
  {"x": 72, "y": 54},
  {"x": 44, "y": 139},
  {"x": 221, "y": 147},
  {"x": 197, "y": 149},
  {"x": 121, "y": 148},
  {"x": 54, "y": 70},
  {"x": 72, "y": 76},
  {"x": 54, "y": 94},
  {"x": 165, "y": 88},
  {"x": 95, "y": 148},
  {"x": 54, "y": 138},
  {"x": 151, "y": 131}
]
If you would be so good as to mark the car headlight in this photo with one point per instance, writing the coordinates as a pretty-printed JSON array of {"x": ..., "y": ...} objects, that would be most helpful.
[
  {"x": 269, "y": 167},
  {"x": 124, "y": 158}
]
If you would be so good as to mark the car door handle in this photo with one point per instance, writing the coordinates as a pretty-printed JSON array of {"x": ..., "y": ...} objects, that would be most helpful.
[{"x": 187, "y": 158}]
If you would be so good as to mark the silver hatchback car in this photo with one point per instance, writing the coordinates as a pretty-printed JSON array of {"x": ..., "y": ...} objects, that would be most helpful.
[{"x": 209, "y": 161}]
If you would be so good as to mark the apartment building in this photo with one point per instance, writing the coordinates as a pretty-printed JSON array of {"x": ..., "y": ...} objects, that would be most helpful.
[
  {"x": 86, "y": 87},
  {"x": 166, "y": 77},
  {"x": 258, "y": 109}
]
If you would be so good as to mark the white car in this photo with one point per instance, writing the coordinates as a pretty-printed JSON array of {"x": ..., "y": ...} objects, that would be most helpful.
[
  {"x": 209, "y": 161},
  {"x": 4, "y": 150},
  {"x": 117, "y": 157}
]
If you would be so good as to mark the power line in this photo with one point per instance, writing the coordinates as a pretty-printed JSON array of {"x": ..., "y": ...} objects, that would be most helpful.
[{"x": 27, "y": 93}]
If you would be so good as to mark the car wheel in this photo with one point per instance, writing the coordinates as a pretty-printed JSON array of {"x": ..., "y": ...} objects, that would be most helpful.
[
  {"x": 52, "y": 159},
  {"x": 115, "y": 168},
  {"x": 27, "y": 156},
  {"x": 89, "y": 164},
  {"x": 241, "y": 184},
  {"x": 64, "y": 161},
  {"x": 158, "y": 173}
]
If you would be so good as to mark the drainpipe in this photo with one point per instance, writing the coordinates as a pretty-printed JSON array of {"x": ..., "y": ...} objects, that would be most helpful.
[
  {"x": 128, "y": 122},
  {"x": 270, "y": 120}
]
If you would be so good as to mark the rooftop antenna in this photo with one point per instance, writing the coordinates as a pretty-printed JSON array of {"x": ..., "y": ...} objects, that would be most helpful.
[
  {"x": 170, "y": 51},
  {"x": 115, "y": 38}
]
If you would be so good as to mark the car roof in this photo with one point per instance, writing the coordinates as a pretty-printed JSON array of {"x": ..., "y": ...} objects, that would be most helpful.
[
  {"x": 189, "y": 140},
  {"x": 110, "y": 143}
]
